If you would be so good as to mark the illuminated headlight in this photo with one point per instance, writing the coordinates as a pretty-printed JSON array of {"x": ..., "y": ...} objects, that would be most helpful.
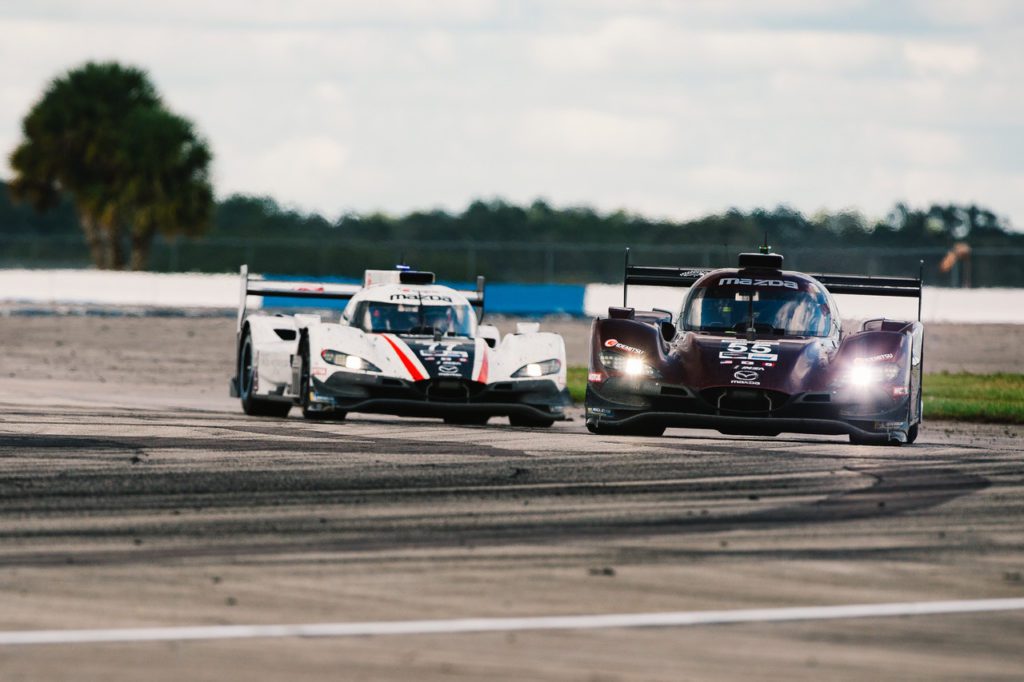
[
  {"x": 353, "y": 362},
  {"x": 866, "y": 375},
  {"x": 538, "y": 369},
  {"x": 632, "y": 367}
]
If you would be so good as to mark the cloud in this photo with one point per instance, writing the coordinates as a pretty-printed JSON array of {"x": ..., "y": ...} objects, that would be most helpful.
[
  {"x": 656, "y": 106},
  {"x": 590, "y": 134},
  {"x": 942, "y": 59}
]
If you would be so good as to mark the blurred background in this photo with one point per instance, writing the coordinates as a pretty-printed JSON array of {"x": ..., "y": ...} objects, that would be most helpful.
[{"x": 526, "y": 141}]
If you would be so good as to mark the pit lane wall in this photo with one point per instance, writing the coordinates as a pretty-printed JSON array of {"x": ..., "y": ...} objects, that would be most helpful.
[{"x": 55, "y": 288}]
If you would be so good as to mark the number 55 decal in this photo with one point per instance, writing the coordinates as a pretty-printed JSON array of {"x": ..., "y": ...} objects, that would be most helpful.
[{"x": 765, "y": 351}]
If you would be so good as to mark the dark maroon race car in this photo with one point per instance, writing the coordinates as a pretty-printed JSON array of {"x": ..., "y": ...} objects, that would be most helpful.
[{"x": 757, "y": 350}]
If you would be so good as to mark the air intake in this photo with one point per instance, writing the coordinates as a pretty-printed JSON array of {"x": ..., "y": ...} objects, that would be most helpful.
[
  {"x": 415, "y": 277},
  {"x": 763, "y": 261}
]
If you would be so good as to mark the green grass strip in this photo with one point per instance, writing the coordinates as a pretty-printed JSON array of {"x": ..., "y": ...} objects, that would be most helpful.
[{"x": 993, "y": 398}]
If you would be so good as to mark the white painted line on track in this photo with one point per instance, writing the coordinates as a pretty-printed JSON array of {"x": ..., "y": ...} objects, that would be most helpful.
[{"x": 470, "y": 625}]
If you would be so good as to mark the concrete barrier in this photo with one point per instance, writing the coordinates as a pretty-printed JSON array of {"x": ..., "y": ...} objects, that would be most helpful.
[{"x": 201, "y": 291}]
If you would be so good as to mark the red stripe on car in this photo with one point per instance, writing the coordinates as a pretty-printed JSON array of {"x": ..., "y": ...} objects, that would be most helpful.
[
  {"x": 482, "y": 377},
  {"x": 413, "y": 370}
]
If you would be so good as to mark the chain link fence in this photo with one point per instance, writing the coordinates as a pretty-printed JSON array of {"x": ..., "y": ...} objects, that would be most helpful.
[{"x": 502, "y": 261}]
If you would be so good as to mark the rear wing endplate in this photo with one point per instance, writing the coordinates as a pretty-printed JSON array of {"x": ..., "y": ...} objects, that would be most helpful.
[{"x": 256, "y": 285}]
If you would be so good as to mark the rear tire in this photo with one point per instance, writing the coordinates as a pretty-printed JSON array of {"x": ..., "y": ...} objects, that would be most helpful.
[
  {"x": 912, "y": 434},
  {"x": 251, "y": 405}
]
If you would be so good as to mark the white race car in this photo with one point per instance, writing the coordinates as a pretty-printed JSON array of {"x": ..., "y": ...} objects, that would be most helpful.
[{"x": 404, "y": 345}]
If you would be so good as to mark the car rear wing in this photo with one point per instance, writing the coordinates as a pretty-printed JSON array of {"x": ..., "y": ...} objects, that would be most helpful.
[
  {"x": 658, "y": 276},
  {"x": 863, "y": 285},
  {"x": 257, "y": 285},
  {"x": 866, "y": 285}
]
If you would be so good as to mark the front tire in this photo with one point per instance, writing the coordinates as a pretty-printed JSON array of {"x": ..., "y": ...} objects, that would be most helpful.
[
  {"x": 251, "y": 405},
  {"x": 466, "y": 420},
  {"x": 912, "y": 434},
  {"x": 650, "y": 430},
  {"x": 530, "y": 420}
]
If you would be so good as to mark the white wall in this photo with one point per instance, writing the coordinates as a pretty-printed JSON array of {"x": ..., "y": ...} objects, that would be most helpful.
[
  {"x": 176, "y": 290},
  {"x": 187, "y": 290}
]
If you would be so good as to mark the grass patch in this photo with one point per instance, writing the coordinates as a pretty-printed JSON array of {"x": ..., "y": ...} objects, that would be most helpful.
[
  {"x": 577, "y": 382},
  {"x": 995, "y": 398}
]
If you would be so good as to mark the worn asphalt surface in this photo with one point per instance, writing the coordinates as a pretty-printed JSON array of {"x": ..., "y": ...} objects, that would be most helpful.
[{"x": 134, "y": 493}]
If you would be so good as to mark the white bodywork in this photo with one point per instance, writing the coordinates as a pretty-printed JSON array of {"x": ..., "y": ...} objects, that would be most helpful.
[{"x": 276, "y": 338}]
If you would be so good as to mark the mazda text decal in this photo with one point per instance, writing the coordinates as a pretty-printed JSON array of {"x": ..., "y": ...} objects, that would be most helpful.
[
  {"x": 747, "y": 281},
  {"x": 614, "y": 343},
  {"x": 421, "y": 297}
]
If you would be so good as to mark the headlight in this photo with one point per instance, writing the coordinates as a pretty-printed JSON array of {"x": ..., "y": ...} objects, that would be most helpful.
[
  {"x": 538, "y": 369},
  {"x": 633, "y": 367},
  {"x": 353, "y": 362},
  {"x": 866, "y": 375}
]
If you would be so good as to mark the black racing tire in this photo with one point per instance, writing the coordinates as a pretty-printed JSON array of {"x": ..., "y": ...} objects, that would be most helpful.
[
  {"x": 305, "y": 385},
  {"x": 650, "y": 430},
  {"x": 912, "y": 433},
  {"x": 251, "y": 405},
  {"x": 876, "y": 440},
  {"x": 467, "y": 420},
  {"x": 304, "y": 388},
  {"x": 530, "y": 420}
]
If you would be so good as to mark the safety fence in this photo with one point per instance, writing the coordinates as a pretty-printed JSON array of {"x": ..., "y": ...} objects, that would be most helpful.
[{"x": 513, "y": 261}]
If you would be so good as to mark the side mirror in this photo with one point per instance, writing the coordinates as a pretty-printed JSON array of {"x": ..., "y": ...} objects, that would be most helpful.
[
  {"x": 489, "y": 333},
  {"x": 668, "y": 331}
]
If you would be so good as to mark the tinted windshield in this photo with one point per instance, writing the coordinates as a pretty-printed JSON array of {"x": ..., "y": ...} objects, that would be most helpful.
[
  {"x": 413, "y": 318},
  {"x": 773, "y": 310}
]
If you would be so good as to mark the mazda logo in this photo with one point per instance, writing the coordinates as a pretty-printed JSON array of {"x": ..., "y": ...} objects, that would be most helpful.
[{"x": 744, "y": 375}]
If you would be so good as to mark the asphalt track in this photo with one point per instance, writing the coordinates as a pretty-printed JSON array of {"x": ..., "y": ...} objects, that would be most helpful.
[{"x": 131, "y": 505}]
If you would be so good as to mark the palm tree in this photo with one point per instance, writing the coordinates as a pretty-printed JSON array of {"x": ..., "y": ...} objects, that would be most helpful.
[
  {"x": 167, "y": 187},
  {"x": 101, "y": 133}
]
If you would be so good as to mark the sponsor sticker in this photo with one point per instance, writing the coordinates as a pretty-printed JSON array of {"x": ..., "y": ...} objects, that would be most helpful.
[
  {"x": 595, "y": 376},
  {"x": 746, "y": 375},
  {"x": 747, "y": 281},
  {"x": 614, "y": 343},
  {"x": 875, "y": 358}
]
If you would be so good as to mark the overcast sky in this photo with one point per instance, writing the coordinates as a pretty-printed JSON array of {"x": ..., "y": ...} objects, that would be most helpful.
[{"x": 662, "y": 107}]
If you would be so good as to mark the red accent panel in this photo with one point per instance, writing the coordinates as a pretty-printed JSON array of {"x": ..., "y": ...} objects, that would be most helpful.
[
  {"x": 482, "y": 377},
  {"x": 412, "y": 369}
]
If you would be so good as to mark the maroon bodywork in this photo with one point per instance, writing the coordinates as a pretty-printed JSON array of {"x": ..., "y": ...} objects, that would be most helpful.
[{"x": 646, "y": 374}]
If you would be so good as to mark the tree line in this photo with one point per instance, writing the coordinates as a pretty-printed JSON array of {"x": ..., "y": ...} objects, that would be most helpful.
[
  {"x": 101, "y": 155},
  {"x": 263, "y": 218}
]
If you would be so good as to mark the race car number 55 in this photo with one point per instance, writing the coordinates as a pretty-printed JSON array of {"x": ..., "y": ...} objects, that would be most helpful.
[{"x": 735, "y": 349}]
